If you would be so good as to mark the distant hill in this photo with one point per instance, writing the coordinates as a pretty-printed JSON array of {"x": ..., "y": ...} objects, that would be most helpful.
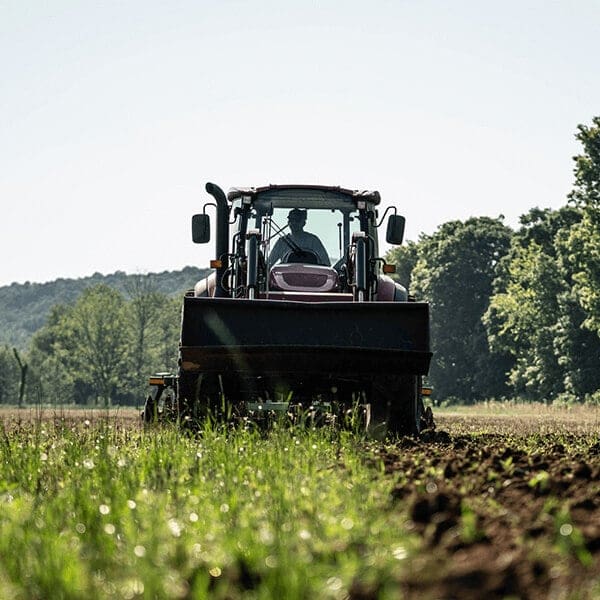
[{"x": 25, "y": 306}]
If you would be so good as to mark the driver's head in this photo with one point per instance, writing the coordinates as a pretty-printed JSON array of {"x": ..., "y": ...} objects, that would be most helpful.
[{"x": 296, "y": 219}]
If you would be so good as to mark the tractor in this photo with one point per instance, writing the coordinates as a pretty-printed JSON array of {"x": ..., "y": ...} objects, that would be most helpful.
[{"x": 299, "y": 316}]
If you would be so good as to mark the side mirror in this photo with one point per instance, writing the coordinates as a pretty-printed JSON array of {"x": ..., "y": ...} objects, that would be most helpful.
[
  {"x": 395, "y": 230},
  {"x": 201, "y": 229}
]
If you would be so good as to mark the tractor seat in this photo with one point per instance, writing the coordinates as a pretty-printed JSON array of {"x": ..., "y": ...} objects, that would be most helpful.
[{"x": 296, "y": 277}]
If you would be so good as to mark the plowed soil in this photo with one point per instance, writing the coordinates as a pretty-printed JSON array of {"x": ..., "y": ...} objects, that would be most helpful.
[{"x": 506, "y": 505}]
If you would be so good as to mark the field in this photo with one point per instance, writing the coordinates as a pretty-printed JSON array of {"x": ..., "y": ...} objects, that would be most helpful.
[{"x": 501, "y": 501}]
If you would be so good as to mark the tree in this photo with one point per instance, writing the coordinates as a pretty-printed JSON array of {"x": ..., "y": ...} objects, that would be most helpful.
[
  {"x": 454, "y": 273},
  {"x": 144, "y": 306},
  {"x": 583, "y": 243},
  {"x": 521, "y": 321},
  {"x": 84, "y": 348},
  {"x": 23, "y": 367},
  {"x": 169, "y": 326},
  {"x": 9, "y": 376},
  {"x": 103, "y": 347},
  {"x": 155, "y": 328},
  {"x": 99, "y": 341},
  {"x": 534, "y": 315},
  {"x": 51, "y": 373},
  {"x": 404, "y": 258}
]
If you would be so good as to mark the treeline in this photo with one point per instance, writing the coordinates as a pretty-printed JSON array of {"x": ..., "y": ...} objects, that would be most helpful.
[
  {"x": 516, "y": 313},
  {"x": 25, "y": 307},
  {"x": 99, "y": 350}
]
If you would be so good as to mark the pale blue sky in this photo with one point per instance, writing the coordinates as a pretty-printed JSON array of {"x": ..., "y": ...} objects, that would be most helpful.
[{"x": 113, "y": 115}]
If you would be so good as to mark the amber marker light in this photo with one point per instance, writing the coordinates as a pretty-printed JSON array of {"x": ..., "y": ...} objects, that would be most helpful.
[
  {"x": 216, "y": 264},
  {"x": 389, "y": 268}
]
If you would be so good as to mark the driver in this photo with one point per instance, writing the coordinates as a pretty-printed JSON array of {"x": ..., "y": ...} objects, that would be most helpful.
[{"x": 298, "y": 239}]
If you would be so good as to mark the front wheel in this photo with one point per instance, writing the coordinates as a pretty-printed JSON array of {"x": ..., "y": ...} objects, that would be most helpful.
[
  {"x": 396, "y": 405},
  {"x": 206, "y": 396},
  {"x": 149, "y": 414}
]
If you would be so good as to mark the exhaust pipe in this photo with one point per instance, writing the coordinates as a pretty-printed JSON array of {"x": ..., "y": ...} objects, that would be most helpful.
[{"x": 222, "y": 242}]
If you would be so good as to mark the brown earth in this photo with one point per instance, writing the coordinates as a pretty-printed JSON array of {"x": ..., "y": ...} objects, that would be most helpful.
[
  {"x": 505, "y": 505},
  {"x": 126, "y": 418}
]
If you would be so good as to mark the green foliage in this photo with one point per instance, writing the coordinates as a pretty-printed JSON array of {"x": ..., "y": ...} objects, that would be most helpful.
[
  {"x": 534, "y": 314},
  {"x": 24, "y": 308},
  {"x": 521, "y": 319},
  {"x": 102, "y": 348},
  {"x": 51, "y": 368},
  {"x": 97, "y": 340},
  {"x": 405, "y": 258},
  {"x": 93, "y": 344},
  {"x": 9, "y": 376},
  {"x": 454, "y": 273},
  {"x": 470, "y": 529},
  {"x": 543, "y": 321},
  {"x": 89, "y": 342},
  {"x": 167, "y": 328},
  {"x": 583, "y": 242},
  {"x": 153, "y": 329},
  {"x": 540, "y": 481},
  {"x": 569, "y": 539}
]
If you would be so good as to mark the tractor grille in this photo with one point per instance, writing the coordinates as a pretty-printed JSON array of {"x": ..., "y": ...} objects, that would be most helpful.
[{"x": 305, "y": 280}]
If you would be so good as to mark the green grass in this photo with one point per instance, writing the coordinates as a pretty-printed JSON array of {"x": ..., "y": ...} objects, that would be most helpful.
[{"x": 101, "y": 511}]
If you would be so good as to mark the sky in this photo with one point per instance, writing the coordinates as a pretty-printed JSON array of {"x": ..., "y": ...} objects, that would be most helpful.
[{"x": 114, "y": 115}]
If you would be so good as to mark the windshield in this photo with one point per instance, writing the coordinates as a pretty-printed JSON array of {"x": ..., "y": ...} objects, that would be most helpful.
[
  {"x": 318, "y": 236},
  {"x": 302, "y": 225}
]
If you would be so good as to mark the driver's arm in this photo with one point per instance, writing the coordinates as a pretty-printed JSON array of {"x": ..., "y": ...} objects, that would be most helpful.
[
  {"x": 277, "y": 252},
  {"x": 321, "y": 252}
]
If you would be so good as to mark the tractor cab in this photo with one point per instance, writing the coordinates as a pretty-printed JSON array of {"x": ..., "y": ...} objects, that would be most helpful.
[{"x": 303, "y": 239}]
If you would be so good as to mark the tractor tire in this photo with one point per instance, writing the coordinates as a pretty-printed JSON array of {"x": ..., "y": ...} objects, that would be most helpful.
[
  {"x": 149, "y": 413},
  {"x": 396, "y": 405},
  {"x": 187, "y": 397},
  {"x": 200, "y": 398}
]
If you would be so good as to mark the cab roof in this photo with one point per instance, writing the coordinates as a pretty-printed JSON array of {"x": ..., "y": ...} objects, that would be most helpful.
[{"x": 303, "y": 191}]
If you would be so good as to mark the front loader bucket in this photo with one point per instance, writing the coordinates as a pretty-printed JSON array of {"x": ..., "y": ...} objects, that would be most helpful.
[{"x": 279, "y": 338}]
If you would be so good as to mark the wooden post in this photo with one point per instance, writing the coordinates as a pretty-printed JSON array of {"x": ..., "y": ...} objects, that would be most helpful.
[{"x": 23, "y": 367}]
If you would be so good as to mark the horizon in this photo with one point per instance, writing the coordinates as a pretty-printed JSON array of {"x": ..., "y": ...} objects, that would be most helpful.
[{"x": 105, "y": 275}]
